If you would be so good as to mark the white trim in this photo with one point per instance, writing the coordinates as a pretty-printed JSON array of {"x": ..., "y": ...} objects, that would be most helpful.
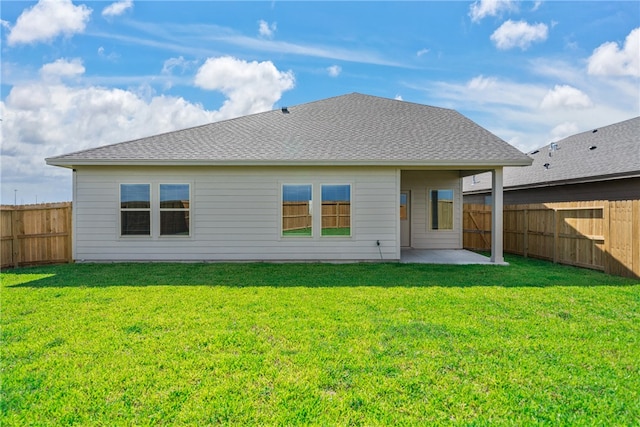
[
  {"x": 436, "y": 164},
  {"x": 397, "y": 198},
  {"x": 74, "y": 214},
  {"x": 497, "y": 255}
]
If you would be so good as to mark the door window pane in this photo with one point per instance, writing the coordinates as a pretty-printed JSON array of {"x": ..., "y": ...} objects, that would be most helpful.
[
  {"x": 441, "y": 209},
  {"x": 336, "y": 210},
  {"x": 403, "y": 206},
  {"x": 297, "y": 210}
]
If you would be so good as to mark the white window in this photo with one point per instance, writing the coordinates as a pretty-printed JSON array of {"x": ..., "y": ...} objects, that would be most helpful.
[
  {"x": 135, "y": 209},
  {"x": 441, "y": 202},
  {"x": 297, "y": 210},
  {"x": 336, "y": 210},
  {"x": 174, "y": 209}
]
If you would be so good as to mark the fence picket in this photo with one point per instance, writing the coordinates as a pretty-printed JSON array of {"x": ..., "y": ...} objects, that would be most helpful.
[
  {"x": 598, "y": 234},
  {"x": 36, "y": 234}
]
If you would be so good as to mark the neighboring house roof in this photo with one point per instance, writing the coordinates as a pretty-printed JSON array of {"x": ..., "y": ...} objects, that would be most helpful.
[
  {"x": 350, "y": 130},
  {"x": 609, "y": 152}
]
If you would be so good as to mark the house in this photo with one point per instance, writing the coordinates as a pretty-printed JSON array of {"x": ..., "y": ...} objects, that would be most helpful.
[
  {"x": 599, "y": 164},
  {"x": 352, "y": 178}
]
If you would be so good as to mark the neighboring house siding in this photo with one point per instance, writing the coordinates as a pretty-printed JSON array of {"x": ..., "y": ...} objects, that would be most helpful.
[
  {"x": 236, "y": 214},
  {"x": 420, "y": 183},
  {"x": 619, "y": 189}
]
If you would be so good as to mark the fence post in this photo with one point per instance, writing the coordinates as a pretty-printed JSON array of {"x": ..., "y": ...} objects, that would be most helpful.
[
  {"x": 635, "y": 250},
  {"x": 525, "y": 237},
  {"x": 15, "y": 241},
  {"x": 606, "y": 233},
  {"x": 556, "y": 234}
]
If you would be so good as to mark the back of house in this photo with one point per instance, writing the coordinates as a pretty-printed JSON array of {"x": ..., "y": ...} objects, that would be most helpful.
[{"x": 349, "y": 178}]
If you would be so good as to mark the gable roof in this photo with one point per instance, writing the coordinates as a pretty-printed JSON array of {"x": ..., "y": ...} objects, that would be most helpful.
[
  {"x": 604, "y": 153},
  {"x": 352, "y": 129}
]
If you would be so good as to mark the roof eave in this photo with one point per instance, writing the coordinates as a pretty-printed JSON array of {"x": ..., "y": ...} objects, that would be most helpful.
[
  {"x": 546, "y": 184},
  {"x": 71, "y": 163}
]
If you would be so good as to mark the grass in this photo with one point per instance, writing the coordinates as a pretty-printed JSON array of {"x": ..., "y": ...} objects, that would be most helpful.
[
  {"x": 307, "y": 232},
  {"x": 299, "y": 344},
  {"x": 337, "y": 231},
  {"x": 297, "y": 232}
]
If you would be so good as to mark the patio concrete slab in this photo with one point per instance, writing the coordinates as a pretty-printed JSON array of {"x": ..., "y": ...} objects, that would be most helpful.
[{"x": 442, "y": 256}]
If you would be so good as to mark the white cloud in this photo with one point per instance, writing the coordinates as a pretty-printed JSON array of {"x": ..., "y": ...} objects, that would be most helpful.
[
  {"x": 250, "y": 87},
  {"x": 562, "y": 96},
  {"x": 208, "y": 39},
  {"x": 265, "y": 29},
  {"x": 62, "y": 68},
  {"x": 43, "y": 118},
  {"x": 536, "y": 5},
  {"x": 179, "y": 62},
  {"x": 564, "y": 130},
  {"x": 481, "y": 82},
  {"x": 108, "y": 56},
  {"x": 483, "y": 8},
  {"x": 518, "y": 34},
  {"x": 48, "y": 19},
  {"x": 422, "y": 52},
  {"x": 610, "y": 60},
  {"x": 172, "y": 65},
  {"x": 512, "y": 109},
  {"x": 334, "y": 70},
  {"x": 117, "y": 8},
  {"x": 398, "y": 98}
]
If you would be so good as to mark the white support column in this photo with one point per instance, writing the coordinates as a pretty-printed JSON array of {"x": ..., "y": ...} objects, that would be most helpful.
[{"x": 497, "y": 255}]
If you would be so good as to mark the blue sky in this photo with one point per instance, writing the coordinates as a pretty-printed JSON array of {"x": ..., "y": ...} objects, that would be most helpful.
[{"x": 77, "y": 75}]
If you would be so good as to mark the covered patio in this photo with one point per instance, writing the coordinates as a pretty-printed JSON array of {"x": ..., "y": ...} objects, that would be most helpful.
[{"x": 444, "y": 256}]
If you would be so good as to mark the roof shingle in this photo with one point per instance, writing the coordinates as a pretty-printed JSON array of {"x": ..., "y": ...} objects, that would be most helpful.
[
  {"x": 348, "y": 129},
  {"x": 606, "y": 152}
]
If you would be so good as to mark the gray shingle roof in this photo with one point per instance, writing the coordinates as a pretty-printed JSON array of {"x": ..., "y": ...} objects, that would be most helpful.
[
  {"x": 348, "y": 129},
  {"x": 615, "y": 153}
]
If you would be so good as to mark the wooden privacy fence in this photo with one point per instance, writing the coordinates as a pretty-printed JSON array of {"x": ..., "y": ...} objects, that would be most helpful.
[
  {"x": 297, "y": 215},
  {"x": 36, "y": 234},
  {"x": 336, "y": 214},
  {"x": 601, "y": 235}
]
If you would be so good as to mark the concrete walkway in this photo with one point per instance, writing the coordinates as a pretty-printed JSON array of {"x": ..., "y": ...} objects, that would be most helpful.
[{"x": 442, "y": 256}]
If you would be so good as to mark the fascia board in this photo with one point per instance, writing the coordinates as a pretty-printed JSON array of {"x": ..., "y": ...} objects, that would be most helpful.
[{"x": 70, "y": 163}]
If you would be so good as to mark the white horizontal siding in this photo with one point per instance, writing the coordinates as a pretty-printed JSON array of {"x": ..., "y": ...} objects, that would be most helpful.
[
  {"x": 419, "y": 183},
  {"x": 235, "y": 214}
]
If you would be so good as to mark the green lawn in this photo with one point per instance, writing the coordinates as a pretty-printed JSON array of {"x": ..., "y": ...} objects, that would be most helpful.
[
  {"x": 337, "y": 231},
  {"x": 307, "y": 232},
  {"x": 297, "y": 232},
  {"x": 318, "y": 344}
]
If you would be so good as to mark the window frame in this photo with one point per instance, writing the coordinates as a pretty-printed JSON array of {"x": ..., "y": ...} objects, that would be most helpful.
[
  {"x": 161, "y": 210},
  {"x": 149, "y": 210},
  {"x": 338, "y": 236},
  {"x": 431, "y": 210}
]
